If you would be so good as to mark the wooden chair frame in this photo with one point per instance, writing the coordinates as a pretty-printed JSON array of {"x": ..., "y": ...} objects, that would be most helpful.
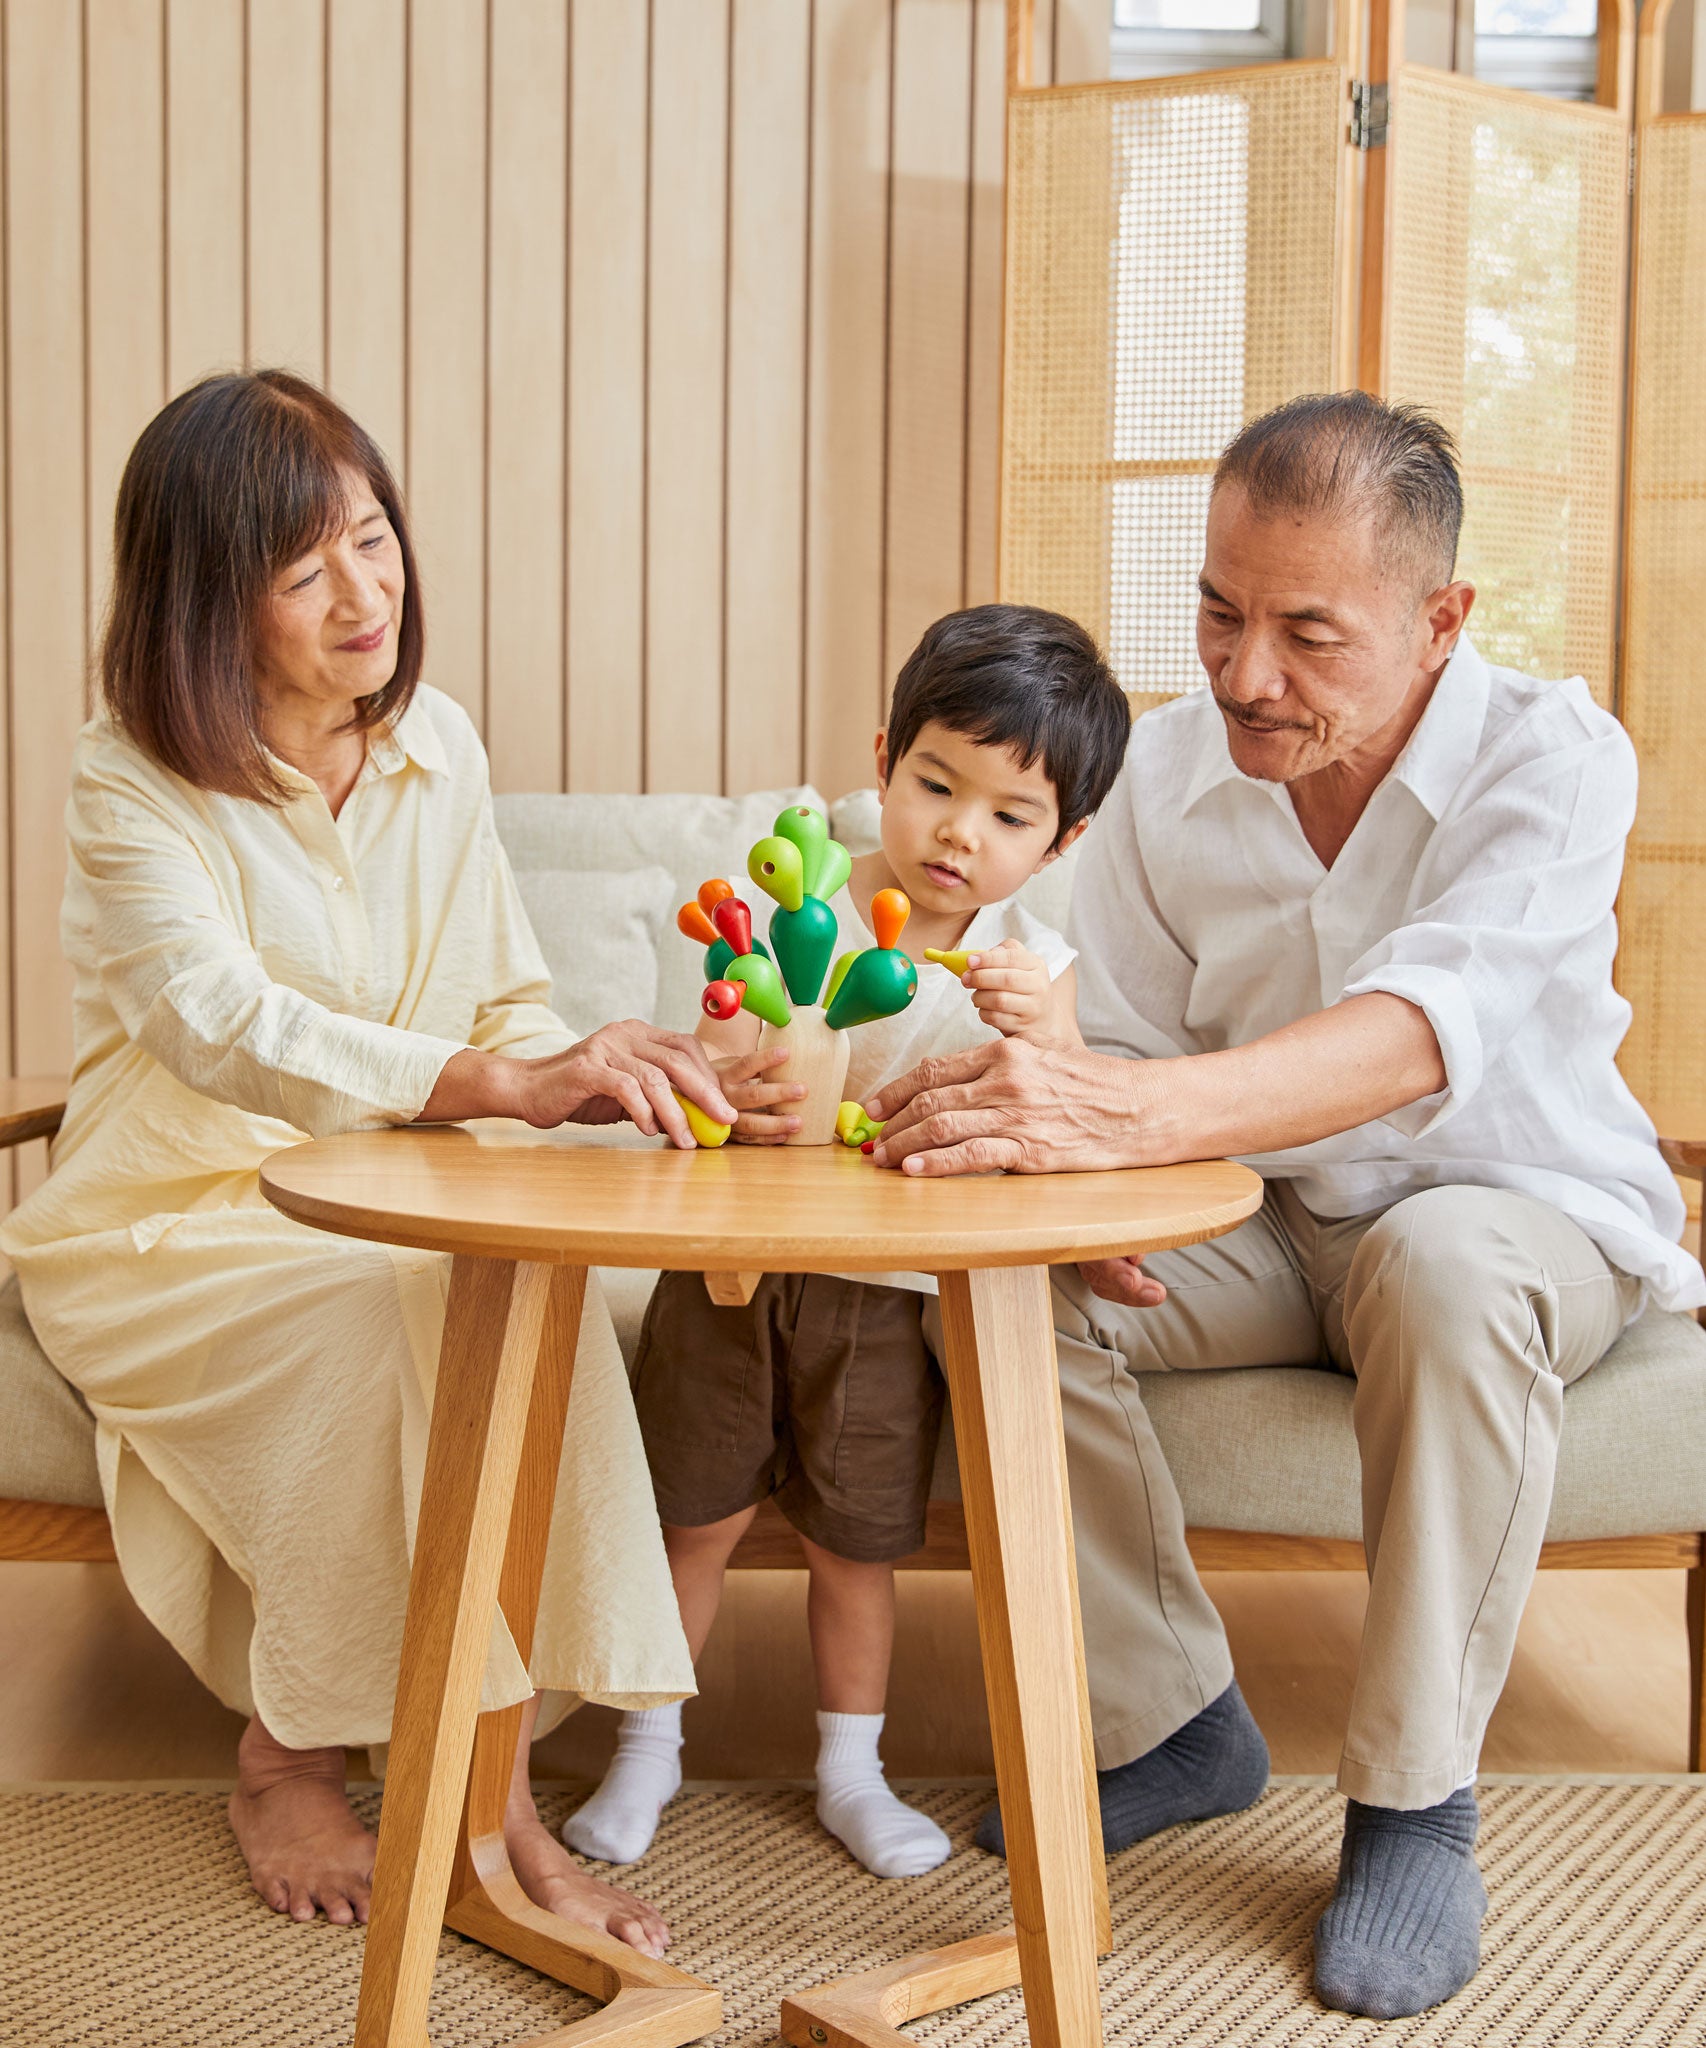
[{"x": 43, "y": 1532}]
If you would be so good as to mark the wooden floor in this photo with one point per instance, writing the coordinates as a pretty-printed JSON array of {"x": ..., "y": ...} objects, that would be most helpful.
[{"x": 88, "y": 1691}]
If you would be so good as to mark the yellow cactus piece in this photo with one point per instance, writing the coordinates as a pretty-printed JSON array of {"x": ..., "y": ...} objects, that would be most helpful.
[
  {"x": 707, "y": 1134},
  {"x": 955, "y": 963},
  {"x": 847, "y": 1120}
]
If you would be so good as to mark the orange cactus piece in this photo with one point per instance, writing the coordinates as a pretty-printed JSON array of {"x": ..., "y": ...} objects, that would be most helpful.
[
  {"x": 692, "y": 923},
  {"x": 713, "y": 893},
  {"x": 890, "y": 908}
]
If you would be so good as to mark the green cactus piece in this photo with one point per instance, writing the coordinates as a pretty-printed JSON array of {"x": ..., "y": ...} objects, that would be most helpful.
[
  {"x": 877, "y": 983},
  {"x": 720, "y": 957},
  {"x": 832, "y": 873},
  {"x": 775, "y": 865},
  {"x": 809, "y": 831},
  {"x": 837, "y": 975},
  {"x": 803, "y": 941},
  {"x": 765, "y": 996}
]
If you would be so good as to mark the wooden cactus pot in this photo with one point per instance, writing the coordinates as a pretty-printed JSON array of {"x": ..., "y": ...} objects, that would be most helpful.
[{"x": 817, "y": 1059}]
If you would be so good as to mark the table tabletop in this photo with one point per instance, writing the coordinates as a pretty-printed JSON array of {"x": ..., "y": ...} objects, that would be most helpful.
[{"x": 503, "y": 1190}]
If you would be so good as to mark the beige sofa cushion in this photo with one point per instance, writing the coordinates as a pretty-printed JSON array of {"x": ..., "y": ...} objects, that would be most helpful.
[{"x": 47, "y": 1446}]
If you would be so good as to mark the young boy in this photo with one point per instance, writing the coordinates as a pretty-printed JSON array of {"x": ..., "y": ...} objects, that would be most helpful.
[{"x": 1005, "y": 733}]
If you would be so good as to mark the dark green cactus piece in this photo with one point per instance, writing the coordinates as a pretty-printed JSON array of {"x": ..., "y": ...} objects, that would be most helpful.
[
  {"x": 803, "y": 942},
  {"x": 878, "y": 983}
]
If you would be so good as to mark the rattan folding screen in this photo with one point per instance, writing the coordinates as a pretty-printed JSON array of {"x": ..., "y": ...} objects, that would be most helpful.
[
  {"x": 1184, "y": 252},
  {"x": 1662, "y": 960},
  {"x": 1174, "y": 266}
]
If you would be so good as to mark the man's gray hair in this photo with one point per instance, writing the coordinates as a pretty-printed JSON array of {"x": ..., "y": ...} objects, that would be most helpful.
[{"x": 1343, "y": 451}]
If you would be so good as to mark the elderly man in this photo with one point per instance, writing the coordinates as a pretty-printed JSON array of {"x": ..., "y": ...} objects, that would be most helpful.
[{"x": 1349, "y": 916}]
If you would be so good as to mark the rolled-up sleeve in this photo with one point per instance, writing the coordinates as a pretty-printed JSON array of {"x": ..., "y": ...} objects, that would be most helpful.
[
  {"x": 1134, "y": 978},
  {"x": 1527, "y": 874},
  {"x": 190, "y": 991}
]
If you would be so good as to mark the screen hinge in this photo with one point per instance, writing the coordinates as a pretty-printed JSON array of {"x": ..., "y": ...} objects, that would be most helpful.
[{"x": 1370, "y": 114}]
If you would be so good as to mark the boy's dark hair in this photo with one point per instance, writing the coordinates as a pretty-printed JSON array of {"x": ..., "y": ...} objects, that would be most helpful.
[{"x": 1012, "y": 675}]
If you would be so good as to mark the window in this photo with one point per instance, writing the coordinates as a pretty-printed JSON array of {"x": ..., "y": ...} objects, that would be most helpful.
[
  {"x": 1545, "y": 46},
  {"x": 1160, "y": 38}
]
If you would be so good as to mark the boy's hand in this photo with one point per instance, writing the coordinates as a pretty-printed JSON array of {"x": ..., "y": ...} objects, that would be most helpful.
[
  {"x": 755, "y": 1100},
  {"x": 1012, "y": 991}
]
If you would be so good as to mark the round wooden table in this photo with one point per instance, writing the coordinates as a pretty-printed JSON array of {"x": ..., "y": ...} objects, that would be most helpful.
[{"x": 525, "y": 1214}]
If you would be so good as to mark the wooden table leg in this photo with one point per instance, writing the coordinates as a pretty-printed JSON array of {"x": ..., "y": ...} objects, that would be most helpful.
[
  {"x": 1000, "y": 1360},
  {"x": 495, "y": 1420}
]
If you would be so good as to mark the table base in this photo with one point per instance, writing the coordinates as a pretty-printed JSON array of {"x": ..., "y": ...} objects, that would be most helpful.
[{"x": 868, "y": 2010}]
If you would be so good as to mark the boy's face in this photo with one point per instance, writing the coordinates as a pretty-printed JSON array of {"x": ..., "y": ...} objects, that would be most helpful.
[{"x": 963, "y": 824}]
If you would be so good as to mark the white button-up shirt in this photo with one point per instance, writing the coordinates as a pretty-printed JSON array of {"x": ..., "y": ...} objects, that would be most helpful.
[{"x": 1479, "y": 884}]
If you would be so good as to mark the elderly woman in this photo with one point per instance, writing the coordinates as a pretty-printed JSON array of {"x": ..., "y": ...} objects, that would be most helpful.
[{"x": 288, "y": 912}]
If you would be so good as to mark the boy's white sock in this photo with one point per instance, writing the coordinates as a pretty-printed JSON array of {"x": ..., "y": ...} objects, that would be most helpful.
[
  {"x": 854, "y": 1802},
  {"x": 618, "y": 1822}
]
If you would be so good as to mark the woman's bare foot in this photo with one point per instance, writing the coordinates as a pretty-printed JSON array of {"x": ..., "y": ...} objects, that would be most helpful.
[
  {"x": 305, "y": 1849},
  {"x": 552, "y": 1878}
]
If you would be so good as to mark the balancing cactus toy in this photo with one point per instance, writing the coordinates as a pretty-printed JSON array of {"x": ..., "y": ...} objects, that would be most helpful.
[{"x": 803, "y": 997}]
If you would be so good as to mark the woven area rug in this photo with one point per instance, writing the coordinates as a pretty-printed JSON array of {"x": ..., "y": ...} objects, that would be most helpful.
[{"x": 127, "y": 1922}]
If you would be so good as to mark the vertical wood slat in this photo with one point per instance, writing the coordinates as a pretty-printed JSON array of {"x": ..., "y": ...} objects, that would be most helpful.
[
  {"x": 527, "y": 219},
  {"x": 445, "y": 422},
  {"x": 366, "y": 214},
  {"x": 125, "y": 157},
  {"x": 988, "y": 172},
  {"x": 287, "y": 185},
  {"x": 845, "y": 688},
  {"x": 929, "y": 223},
  {"x": 764, "y": 594},
  {"x": 685, "y": 340},
  {"x": 206, "y": 230},
  {"x": 608, "y": 143},
  {"x": 48, "y": 532}
]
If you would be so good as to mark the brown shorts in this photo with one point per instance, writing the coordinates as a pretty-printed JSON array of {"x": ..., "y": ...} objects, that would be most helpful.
[{"x": 820, "y": 1392}]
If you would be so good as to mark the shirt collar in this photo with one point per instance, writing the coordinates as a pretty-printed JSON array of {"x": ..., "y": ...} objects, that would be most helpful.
[
  {"x": 1437, "y": 756},
  {"x": 412, "y": 736},
  {"x": 1447, "y": 738}
]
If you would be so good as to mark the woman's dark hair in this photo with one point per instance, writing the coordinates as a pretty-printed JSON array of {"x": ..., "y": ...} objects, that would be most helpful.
[
  {"x": 1011, "y": 675},
  {"x": 229, "y": 483}
]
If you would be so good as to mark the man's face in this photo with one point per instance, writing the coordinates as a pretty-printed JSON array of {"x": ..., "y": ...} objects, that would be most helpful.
[{"x": 1316, "y": 642}]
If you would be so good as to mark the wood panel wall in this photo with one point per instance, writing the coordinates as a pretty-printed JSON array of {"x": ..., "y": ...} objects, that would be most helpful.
[{"x": 679, "y": 318}]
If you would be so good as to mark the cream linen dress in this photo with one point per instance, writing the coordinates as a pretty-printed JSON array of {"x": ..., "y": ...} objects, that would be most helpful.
[{"x": 246, "y": 976}]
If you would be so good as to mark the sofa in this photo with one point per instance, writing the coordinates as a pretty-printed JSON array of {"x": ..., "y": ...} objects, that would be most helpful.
[{"x": 1265, "y": 1460}]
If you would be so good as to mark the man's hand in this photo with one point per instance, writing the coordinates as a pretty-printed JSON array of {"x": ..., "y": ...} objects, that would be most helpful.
[
  {"x": 1012, "y": 991},
  {"x": 626, "y": 1070},
  {"x": 756, "y": 1100},
  {"x": 1124, "y": 1281},
  {"x": 1014, "y": 1106}
]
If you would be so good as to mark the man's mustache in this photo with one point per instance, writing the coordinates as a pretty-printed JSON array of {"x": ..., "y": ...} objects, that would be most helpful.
[{"x": 1239, "y": 716}]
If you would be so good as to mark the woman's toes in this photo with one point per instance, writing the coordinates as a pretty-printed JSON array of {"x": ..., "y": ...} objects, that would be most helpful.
[
  {"x": 301, "y": 1904},
  {"x": 338, "y": 1909}
]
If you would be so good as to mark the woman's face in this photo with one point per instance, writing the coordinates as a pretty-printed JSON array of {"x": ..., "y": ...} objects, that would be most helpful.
[{"x": 329, "y": 633}]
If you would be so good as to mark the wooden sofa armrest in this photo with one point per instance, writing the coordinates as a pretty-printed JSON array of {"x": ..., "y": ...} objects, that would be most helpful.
[
  {"x": 1685, "y": 1155},
  {"x": 30, "y": 1109}
]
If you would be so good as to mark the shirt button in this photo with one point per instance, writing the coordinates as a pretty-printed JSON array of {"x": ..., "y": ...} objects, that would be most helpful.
[{"x": 337, "y": 881}]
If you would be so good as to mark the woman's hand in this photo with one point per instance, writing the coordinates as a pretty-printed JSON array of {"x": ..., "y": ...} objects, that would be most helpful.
[
  {"x": 626, "y": 1070},
  {"x": 1011, "y": 1105},
  {"x": 1012, "y": 991},
  {"x": 756, "y": 1099}
]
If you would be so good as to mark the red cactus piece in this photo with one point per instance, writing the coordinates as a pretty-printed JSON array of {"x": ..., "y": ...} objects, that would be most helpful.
[
  {"x": 734, "y": 921},
  {"x": 722, "y": 999},
  {"x": 869, "y": 1146}
]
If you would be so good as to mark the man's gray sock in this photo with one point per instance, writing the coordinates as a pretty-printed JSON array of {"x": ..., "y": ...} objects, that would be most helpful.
[
  {"x": 1403, "y": 1930},
  {"x": 1217, "y": 1763}
]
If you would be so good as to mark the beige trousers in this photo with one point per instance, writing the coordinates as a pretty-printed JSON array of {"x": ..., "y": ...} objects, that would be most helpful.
[{"x": 1463, "y": 1313}]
